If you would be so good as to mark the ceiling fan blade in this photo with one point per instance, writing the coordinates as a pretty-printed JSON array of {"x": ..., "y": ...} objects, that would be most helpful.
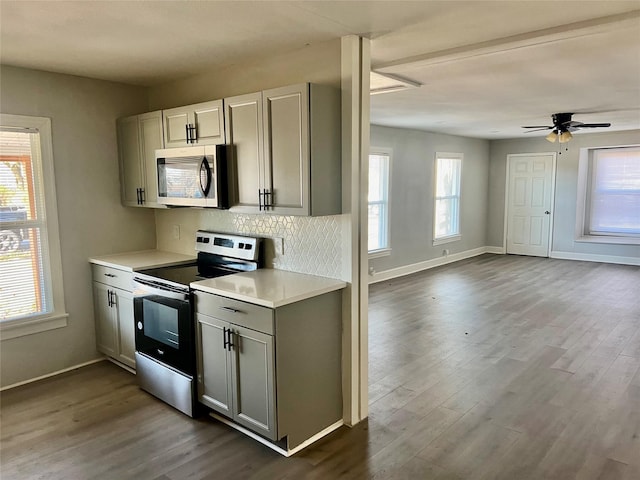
[
  {"x": 537, "y": 129},
  {"x": 537, "y": 126},
  {"x": 594, "y": 125}
]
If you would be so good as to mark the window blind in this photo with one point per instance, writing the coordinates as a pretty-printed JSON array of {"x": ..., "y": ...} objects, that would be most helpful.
[
  {"x": 615, "y": 192},
  {"x": 25, "y": 287}
]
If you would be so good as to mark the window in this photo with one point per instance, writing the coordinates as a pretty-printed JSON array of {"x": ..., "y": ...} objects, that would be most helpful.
[
  {"x": 446, "y": 217},
  {"x": 614, "y": 192},
  {"x": 379, "y": 160},
  {"x": 31, "y": 295}
]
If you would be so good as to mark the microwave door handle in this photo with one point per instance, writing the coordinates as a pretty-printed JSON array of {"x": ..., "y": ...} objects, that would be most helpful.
[{"x": 206, "y": 169}]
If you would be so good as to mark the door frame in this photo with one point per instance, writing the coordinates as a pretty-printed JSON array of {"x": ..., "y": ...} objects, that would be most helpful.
[{"x": 507, "y": 190}]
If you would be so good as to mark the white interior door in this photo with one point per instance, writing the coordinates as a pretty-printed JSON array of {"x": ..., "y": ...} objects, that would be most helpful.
[{"x": 530, "y": 203}]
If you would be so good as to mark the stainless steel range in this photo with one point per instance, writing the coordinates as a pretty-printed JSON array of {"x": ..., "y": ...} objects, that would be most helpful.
[{"x": 163, "y": 312}]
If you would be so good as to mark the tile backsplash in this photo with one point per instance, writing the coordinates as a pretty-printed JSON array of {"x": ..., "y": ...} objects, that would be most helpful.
[{"x": 313, "y": 245}]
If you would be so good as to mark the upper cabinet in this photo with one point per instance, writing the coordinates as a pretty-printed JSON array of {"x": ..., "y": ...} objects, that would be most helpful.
[
  {"x": 138, "y": 138},
  {"x": 243, "y": 118},
  {"x": 199, "y": 124},
  {"x": 287, "y": 150}
]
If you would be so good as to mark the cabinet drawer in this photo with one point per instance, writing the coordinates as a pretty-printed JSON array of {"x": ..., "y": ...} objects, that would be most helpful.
[
  {"x": 240, "y": 313},
  {"x": 113, "y": 277}
]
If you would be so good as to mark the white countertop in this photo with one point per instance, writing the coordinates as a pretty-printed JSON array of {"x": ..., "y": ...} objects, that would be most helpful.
[
  {"x": 142, "y": 260},
  {"x": 269, "y": 288}
]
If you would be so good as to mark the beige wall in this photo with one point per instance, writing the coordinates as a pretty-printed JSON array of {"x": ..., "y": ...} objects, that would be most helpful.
[
  {"x": 92, "y": 221},
  {"x": 318, "y": 63},
  {"x": 311, "y": 245}
]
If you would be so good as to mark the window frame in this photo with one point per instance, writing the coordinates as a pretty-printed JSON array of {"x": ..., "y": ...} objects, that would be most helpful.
[
  {"x": 57, "y": 318},
  {"x": 458, "y": 235},
  {"x": 386, "y": 250},
  {"x": 583, "y": 212}
]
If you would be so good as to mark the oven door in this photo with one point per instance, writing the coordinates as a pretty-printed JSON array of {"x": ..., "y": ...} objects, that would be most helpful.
[{"x": 164, "y": 329}]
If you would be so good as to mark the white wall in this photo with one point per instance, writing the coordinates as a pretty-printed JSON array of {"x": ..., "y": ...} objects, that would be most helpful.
[
  {"x": 92, "y": 221},
  {"x": 411, "y": 209},
  {"x": 563, "y": 243}
]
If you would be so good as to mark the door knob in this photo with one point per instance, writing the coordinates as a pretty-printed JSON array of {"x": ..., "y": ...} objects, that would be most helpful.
[{"x": 547, "y": 212}]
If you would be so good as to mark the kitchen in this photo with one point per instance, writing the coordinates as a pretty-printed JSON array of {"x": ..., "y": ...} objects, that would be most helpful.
[
  {"x": 100, "y": 225},
  {"x": 92, "y": 220}
]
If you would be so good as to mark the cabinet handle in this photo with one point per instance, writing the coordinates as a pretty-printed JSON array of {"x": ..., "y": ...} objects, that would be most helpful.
[
  {"x": 191, "y": 132},
  {"x": 260, "y": 199},
  {"x": 225, "y": 342},
  {"x": 109, "y": 275},
  {"x": 188, "y": 136},
  {"x": 231, "y": 334},
  {"x": 268, "y": 201},
  {"x": 109, "y": 304},
  {"x": 142, "y": 196},
  {"x": 229, "y": 309}
]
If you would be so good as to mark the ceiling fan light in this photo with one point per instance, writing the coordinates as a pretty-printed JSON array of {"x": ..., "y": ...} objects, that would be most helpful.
[
  {"x": 552, "y": 136},
  {"x": 565, "y": 137}
]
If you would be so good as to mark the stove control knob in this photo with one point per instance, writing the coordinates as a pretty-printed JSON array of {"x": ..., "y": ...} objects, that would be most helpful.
[
  {"x": 139, "y": 325},
  {"x": 199, "y": 239}
]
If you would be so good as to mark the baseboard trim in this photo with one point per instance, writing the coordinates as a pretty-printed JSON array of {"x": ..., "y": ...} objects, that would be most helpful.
[
  {"x": 589, "y": 257},
  {"x": 496, "y": 250},
  {"x": 420, "y": 266},
  {"x": 52, "y": 374},
  {"x": 273, "y": 446}
]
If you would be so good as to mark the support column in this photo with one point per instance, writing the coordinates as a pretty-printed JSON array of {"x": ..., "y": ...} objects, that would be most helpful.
[{"x": 356, "y": 64}]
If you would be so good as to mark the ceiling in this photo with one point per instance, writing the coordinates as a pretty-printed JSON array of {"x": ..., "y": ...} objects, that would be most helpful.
[{"x": 486, "y": 67}]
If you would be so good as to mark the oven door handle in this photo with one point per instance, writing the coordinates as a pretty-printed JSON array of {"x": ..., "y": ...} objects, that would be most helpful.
[{"x": 149, "y": 289}]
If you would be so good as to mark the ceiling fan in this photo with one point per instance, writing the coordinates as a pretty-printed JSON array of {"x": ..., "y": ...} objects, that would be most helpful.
[{"x": 563, "y": 126}]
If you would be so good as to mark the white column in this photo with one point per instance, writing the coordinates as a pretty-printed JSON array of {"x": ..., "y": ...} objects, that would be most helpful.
[{"x": 355, "y": 160}]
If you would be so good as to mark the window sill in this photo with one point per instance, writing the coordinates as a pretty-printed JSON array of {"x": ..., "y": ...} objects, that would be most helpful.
[
  {"x": 608, "y": 239},
  {"x": 443, "y": 240},
  {"x": 28, "y": 326},
  {"x": 383, "y": 252}
]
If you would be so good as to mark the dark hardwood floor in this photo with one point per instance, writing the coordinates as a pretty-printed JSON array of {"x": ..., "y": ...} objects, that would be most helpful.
[{"x": 496, "y": 367}]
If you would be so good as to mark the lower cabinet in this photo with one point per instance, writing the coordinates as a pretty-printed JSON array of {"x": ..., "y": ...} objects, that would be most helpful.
[
  {"x": 276, "y": 372},
  {"x": 115, "y": 325},
  {"x": 237, "y": 374}
]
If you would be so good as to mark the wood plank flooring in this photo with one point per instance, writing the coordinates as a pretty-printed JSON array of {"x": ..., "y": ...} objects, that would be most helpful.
[{"x": 496, "y": 367}]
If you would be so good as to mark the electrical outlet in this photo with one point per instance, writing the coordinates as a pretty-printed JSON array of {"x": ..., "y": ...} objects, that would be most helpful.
[
  {"x": 175, "y": 231},
  {"x": 278, "y": 243}
]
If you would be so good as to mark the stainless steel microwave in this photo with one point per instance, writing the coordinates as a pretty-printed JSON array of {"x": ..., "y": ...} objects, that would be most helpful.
[{"x": 194, "y": 176}]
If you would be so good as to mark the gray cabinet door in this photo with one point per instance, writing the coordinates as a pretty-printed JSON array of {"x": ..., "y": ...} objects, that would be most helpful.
[
  {"x": 150, "y": 134},
  {"x": 106, "y": 328},
  {"x": 131, "y": 175},
  {"x": 126, "y": 327},
  {"x": 286, "y": 123},
  {"x": 208, "y": 118},
  {"x": 214, "y": 365},
  {"x": 175, "y": 121},
  {"x": 243, "y": 119},
  {"x": 253, "y": 373}
]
